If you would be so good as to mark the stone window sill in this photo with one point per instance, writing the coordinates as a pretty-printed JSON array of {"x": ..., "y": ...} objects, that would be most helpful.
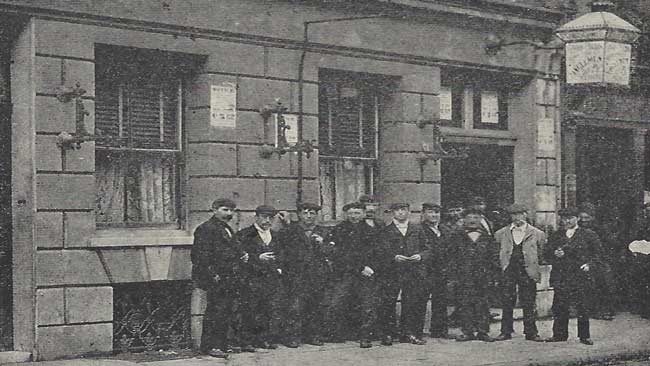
[{"x": 140, "y": 238}]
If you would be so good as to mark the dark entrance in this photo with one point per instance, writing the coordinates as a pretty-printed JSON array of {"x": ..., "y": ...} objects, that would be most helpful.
[
  {"x": 6, "y": 330},
  {"x": 487, "y": 172}
]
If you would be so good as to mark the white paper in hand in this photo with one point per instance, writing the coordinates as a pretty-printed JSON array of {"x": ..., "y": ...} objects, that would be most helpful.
[{"x": 640, "y": 246}]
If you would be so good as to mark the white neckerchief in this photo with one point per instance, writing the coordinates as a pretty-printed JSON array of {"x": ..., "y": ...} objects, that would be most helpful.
[
  {"x": 402, "y": 227},
  {"x": 571, "y": 232},
  {"x": 264, "y": 234},
  {"x": 518, "y": 232},
  {"x": 435, "y": 229}
]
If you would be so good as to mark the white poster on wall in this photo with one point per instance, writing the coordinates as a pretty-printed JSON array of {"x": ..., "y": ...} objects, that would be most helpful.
[
  {"x": 291, "y": 133},
  {"x": 223, "y": 105},
  {"x": 489, "y": 107},
  {"x": 546, "y": 136},
  {"x": 445, "y": 103}
]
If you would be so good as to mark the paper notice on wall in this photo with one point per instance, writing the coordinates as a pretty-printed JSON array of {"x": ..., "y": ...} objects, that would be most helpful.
[
  {"x": 546, "y": 136},
  {"x": 489, "y": 107},
  {"x": 445, "y": 103},
  {"x": 223, "y": 105},
  {"x": 291, "y": 133}
]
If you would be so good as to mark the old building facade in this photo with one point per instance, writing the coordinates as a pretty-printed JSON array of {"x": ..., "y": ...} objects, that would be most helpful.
[{"x": 173, "y": 92}]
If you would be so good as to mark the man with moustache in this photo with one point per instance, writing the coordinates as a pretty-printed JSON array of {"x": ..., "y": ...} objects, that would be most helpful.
[
  {"x": 475, "y": 264},
  {"x": 306, "y": 272},
  {"x": 353, "y": 260},
  {"x": 404, "y": 253},
  {"x": 437, "y": 236},
  {"x": 217, "y": 260},
  {"x": 371, "y": 207},
  {"x": 572, "y": 251},
  {"x": 520, "y": 246},
  {"x": 262, "y": 308}
]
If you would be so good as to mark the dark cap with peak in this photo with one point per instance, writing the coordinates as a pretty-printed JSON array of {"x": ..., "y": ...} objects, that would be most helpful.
[
  {"x": 308, "y": 206},
  {"x": 568, "y": 211},
  {"x": 516, "y": 208},
  {"x": 357, "y": 205},
  {"x": 224, "y": 202},
  {"x": 431, "y": 206},
  {"x": 398, "y": 205},
  {"x": 265, "y": 210}
]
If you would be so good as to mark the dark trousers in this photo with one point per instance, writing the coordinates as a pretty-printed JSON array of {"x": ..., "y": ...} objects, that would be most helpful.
[
  {"x": 344, "y": 296},
  {"x": 413, "y": 304},
  {"x": 262, "y": 311},
  {"x": 563, "y": 299},
  {"x": 221, "y": 315},
  {"x": 516, "y": 278},
  {"x": 439, "y": 301},
  {"x": 305, "y": 310},
  {"x": 473, "y": 307}
]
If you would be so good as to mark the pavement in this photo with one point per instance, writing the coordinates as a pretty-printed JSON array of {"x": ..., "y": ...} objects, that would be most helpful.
[{"x": 626, "y": 337}]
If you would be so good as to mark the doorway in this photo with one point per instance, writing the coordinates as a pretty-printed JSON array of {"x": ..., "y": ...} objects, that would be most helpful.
[{"x": 487, "y": 172}]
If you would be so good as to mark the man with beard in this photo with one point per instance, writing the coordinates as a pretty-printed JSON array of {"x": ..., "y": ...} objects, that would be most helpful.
[
  {"x": 572, "y": 251},
  {"x": 217, "y": 260},
  {"x": 520, "y": 245},
  {"x": 262, "y": 309},
  {"x": 475, "y": 263},
  {"x": 405, "y": 254},
  {"x": 437, "y": 236},
  {"x": 306, "y": 269},
  {"x": 353, "y": 260}
]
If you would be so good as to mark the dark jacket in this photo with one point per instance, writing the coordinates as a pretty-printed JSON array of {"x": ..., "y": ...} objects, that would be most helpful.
[
  {"x": 583, "y": 247},
  {"x": 354, "y": 248},
  {"x": 394, "y": 243},
  {"x": 303, "y": 259},
  {"x": 214, "y": 252},
  {"x": 253, "y": 244},
  {"x": 438, "y": 262},
  {"x": 473, "y": 264}
]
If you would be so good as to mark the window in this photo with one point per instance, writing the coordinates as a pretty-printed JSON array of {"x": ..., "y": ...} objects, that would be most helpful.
[
  {"x": 138, "y": 116},
  {"x": 349, "y": 115}
]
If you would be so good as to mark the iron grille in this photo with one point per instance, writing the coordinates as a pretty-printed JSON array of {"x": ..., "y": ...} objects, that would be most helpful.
[{"x": 151, "y": 316}]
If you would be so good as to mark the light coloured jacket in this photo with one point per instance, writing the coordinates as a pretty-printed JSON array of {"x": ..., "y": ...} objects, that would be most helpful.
[{"x": 532, "y": 245}]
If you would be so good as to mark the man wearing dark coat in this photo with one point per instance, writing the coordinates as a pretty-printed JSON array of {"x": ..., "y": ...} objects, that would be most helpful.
[
  {"x": 263, "y": 305},
  {"x": 404, "y": 257},
  {"x": 306, "y": 271},
  {"x": 437, "y": 267},
  {"x": 572, "y": 252},
  {"x": 475, "y": 264},
  {"x": 353, "y": 261},
  {"x": 218, "y": 261}
]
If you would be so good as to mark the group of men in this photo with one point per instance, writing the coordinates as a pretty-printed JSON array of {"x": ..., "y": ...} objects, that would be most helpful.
[{"x": 306, "y": 283}]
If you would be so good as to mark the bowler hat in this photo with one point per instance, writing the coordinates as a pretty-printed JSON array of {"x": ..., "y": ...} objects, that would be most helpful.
[
  {"x": 224, "y": 202},
  {"x": 398, "y": 205},
  {"x": 516, "y": 208},
  {"x": 308, "y": 206},
  {"x": 568, "y": 211},
  {"x": 265, "y": 210}
]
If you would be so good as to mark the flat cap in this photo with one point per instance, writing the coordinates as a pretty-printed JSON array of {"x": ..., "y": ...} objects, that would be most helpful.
[
  {"x": 516, "y": 208},
  {"x": 587, "y": 207},
  {"x": 398, "y": 205},
  {"x": 357, "y": 205},
  {"x": 476, "y": 200},
  {"x": 431, "y": 206},
  {"x": 568, "y": 211},
  {"x": 265, "y": 210},
  {"x": 308, "y": 206},
  {"x": 472, "y": 210},
  {"x": 224, "y": 202},
  {"x": 367, "y": 198}
]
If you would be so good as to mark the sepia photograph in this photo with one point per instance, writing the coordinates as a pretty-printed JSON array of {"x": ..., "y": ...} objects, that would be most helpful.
[{"x": 325, "y": 182}]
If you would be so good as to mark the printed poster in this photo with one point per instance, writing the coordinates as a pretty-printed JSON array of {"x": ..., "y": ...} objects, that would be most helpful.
[
  {"x": 223, "y": 105},
  {"x": 445, "y": 103},
  {"x": 489, "y": 107}
]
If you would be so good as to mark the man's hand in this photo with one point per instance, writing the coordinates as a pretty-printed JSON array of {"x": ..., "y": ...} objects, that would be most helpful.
[
  {"x": 585, "y": 267},
  {"x": 559, "y": 252},
  {"x": 367, "y": 271},
  {"x": 415, "y": 258},
  {"x": 401, "y": 259},
  {"x": 267, "y": 256},
  {"x": 216, "y": 278},
  {"x": 279, "y": 270},
  {"x": 317, "y": 238},
  {"x": 244, "y": 258}
]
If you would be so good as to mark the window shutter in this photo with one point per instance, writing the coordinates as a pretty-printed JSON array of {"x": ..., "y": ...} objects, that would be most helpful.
[{"x": 107, "y": 113}]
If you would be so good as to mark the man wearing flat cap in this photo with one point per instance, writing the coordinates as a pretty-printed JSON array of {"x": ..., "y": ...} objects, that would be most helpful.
[
  {"x": 305, "y": 270},
  {"x": 474, "y": 263},
  {"x": 572, "y": 251},
  {"x": 217, "y": 267},
  {"x": 262, "y": 310},
  {"x": 405, "y": 254},
  {"x": 520, "y": 246},
  {"x": 354, "y": 264},
  {"x": 437, "y": 235}
]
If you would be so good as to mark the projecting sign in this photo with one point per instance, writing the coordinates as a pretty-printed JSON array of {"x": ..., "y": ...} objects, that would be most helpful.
[
  {"x": 489, "y": 107},
  {"x": 445, "y": 103},
  {"x": 598, "y": 62},
  {"x": 223, "y": 105},
  {"x": 291, "y": 133}
]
